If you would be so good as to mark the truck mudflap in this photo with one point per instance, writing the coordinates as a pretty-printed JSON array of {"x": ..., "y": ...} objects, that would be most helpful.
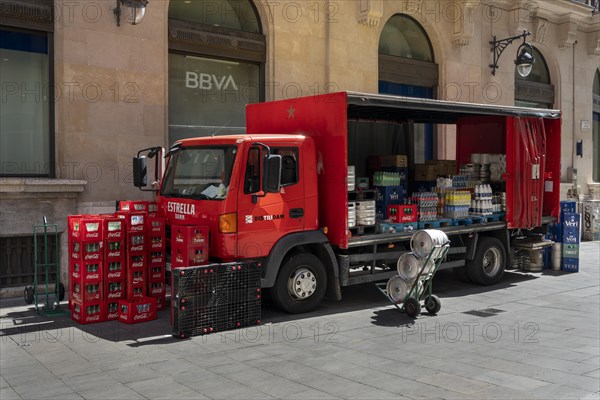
[{"x": 314, "y": 242}]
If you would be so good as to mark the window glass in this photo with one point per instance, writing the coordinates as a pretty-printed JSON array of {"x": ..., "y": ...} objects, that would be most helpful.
[
  {"x": 209, "y": 96},
  {"x": 402, "y": 36},
  {"x": 233, "y": 14},
  {"x": 25, "y": 104},
  {"x": 289, "y": 164},
  {"x": 252, "y": 176}
]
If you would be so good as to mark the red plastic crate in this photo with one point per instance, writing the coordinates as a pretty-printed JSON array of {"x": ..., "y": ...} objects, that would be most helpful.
[
  {"x": 115, "y": 290},
  {"x": 136, "y": 243},
  {"x": 135, "y": 291},
  {"x": 402, "y": 214},
  {"x": 157, "y": 243},
  {"x": 113, "y": 227},
  {"x": 84, "y": 227},
  {"x": 188, "y": 256},
  {"x": 156, "y": 225},
  {"x": 156, "y": 289},
  {"x": 86, "y": 271},
  {"x": 161, "y": 302},
  {"x": 152, "y": 208},
  {"x": 85, "y": 293},
  {"x": 136, "y": 276},
  {"x": 189, "y": 235},
  {"x": 156, "y": 274},
  {"x": 133, "y": 205},
  {"x": 135, "y": 311},
  {"x": 88, "y": 250},
  {"x": 111, "y": 309},
  {"x": 88, "y": 312},
  {"x": 135, "y": 221},
  {"x": 114, "y": 270},
  {"x": 156, "y": 258},
  {"x": 137, "y": 261},
  {"x": 114, "y": 249}
]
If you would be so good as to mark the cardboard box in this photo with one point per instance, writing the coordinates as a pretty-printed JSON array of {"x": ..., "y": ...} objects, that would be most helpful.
[
  {"x": 394, "y": 161},
  {"x": 426, "y": 172}
]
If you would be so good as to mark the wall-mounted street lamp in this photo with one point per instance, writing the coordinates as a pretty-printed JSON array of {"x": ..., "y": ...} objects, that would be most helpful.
[
  {"x": 525, "y": 58},
  {"x": 132, "y": 11}
]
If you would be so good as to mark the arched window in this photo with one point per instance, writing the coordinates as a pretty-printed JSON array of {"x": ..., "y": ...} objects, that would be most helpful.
[
  {"x": 596, "y": 133},
  {"x": 407, "y": 68},
  {"x": 216, "y": 66},
  {"x": 535, "y": 90},
  {"x": 406, "y": 61}
]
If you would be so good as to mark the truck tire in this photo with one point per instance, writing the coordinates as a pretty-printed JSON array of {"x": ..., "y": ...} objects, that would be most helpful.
[
  {"x": 301, "y": 284},
  {"x": 487, "y": 268}
]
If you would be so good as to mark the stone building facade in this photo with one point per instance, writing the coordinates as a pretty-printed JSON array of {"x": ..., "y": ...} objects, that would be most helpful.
[{"x": 94, "y": 92}]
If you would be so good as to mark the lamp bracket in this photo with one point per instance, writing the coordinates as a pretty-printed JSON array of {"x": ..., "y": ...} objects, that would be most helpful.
[{"x": 498, "y": 47}]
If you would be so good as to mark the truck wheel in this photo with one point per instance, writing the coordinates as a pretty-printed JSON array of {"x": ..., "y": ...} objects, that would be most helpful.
[
  {"x": 487, "y": 268},
  {"x": 301, "y": 284}
]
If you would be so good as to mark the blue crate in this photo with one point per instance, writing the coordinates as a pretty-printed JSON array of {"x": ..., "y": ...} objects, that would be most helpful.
[
  {"x": 571, "y": 220},
  {"x": 571, "y": 236},
  {"x": 397, "y": 228},
  {"x": 570, "y": 265},
  {"x": 424, "y": 186},
  {"x": 555, "y": 232},
  {"x": 390, "y": 194},
  {"x": 568, "y": 206}
]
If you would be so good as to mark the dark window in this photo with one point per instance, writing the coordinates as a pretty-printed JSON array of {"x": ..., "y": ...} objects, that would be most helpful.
[
  {"x": 289, "y": 164},
  {"x": 252, "y": 176}
]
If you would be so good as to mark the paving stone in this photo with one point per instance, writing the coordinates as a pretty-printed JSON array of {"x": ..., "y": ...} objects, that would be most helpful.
[
  {"x": 114, "y": 391},
  {"x": 455, "y": 383},
  {"x": 8, "y": 394},
  {"x": 581, "y": 382},
  {"x": 511, "y": 381},
  {"x": 164, "y": 388},
  {"x": 43, "y": 389}
]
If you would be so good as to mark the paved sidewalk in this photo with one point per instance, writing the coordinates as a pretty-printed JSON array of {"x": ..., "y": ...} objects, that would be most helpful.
[{"x": 534, "y": 336}]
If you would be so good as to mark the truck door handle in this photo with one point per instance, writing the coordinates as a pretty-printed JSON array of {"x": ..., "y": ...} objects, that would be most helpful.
[{"x": 297, "y": 213}]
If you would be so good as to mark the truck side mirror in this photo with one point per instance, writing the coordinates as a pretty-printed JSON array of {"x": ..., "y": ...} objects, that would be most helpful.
[
  {"x": 272, "y": 174},
  {"x": 140, "y": 179}
]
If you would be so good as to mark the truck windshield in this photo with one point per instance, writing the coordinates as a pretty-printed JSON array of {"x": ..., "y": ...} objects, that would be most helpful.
[{"x": 199, "y": 172}]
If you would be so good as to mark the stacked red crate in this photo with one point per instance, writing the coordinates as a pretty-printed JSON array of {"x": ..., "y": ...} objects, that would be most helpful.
[
  {"x": 189, "y": 246},
  {"x": 156, "y": 260},
  {"x": 137, "y": 253},
  {"x": 114, "y": 264},
  {"x": 137, "y": 310},
  {"x": 133, "y": 205},
  {"x": 86, "y": 256}
]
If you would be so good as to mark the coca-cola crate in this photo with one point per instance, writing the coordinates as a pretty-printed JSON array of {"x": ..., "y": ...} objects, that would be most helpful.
[
  {"x": 157, "y": 289},
  {"x": 136, "y": 243},
  {"x": 402, "y": 213},
  {"x": 88, "y": 312},
  {"x": 136, "y": 291},
  {"x": 114, "y": 270},
  {"x": 185, "y": 256},
  {"x": 157, "y": 243},
  {"x": 138, "y": 310},
  {"x": 136, "y": 261},
  {"x": 111, "y": 309},
  {"x": 114, "y": 249},
  {"x": 113, "y": 227},
  {"x": 135, "y": 221},
  {"x": 88, "y": 250},
  {"x": 152, "y": 208},
  {"x": 156, "y": 258},
  {"x": 84, "y": 227},
  {"x": 136, "y": 276},
  {"x": 133, "y": 205},
  {"x": 156, "y": 225},
  {"x": 85, "y": 292},
  {"x": 85, "y": 272},
  {"x": 189, "y": 236},
  {"x": 156, "y": 273},
  {"x": 161, "y": 302},
  {"x": 115, "y": 290}
]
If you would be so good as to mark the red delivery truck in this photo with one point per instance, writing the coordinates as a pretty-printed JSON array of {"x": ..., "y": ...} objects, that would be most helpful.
[{"x": 280, "y": 193}]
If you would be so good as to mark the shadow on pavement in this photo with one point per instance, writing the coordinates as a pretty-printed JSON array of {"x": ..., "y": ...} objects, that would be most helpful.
[{"x": 354, "y": 298}]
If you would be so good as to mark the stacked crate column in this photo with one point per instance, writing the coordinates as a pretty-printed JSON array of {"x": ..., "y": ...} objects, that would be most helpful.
[
  {"x": 137, "y": 252},
  {"x": 86, "y": 269},
  {"x": 189, "y": 246},
  {"x": 114, "y": 265},
  {"x": 156, "y": 260}
]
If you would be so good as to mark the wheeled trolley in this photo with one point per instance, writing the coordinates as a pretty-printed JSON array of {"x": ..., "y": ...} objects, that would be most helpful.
[
  {"x": 407, "y": 296},
  {"x": 46, "y": 263}
]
